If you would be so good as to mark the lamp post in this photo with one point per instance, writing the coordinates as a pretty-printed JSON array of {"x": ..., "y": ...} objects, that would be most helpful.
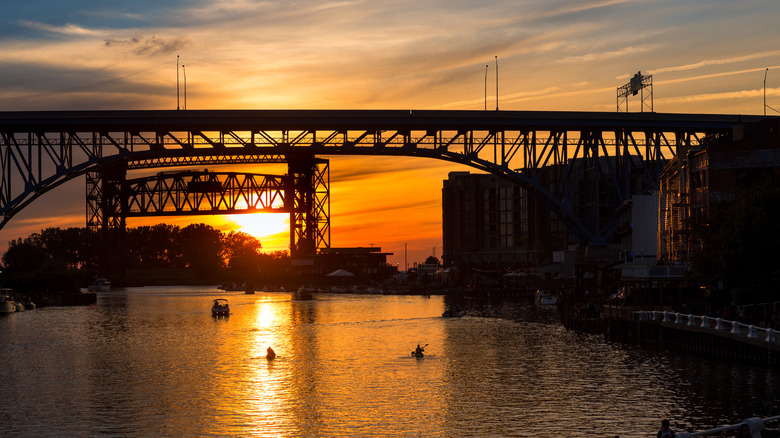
[
  {"x": 184, "y": 72},
  {"x": 496, "y": 82},
  {"x": 765, "y": 73},
  {"x": 177, "y": 82},
  {"x": 486, "y": 70}
]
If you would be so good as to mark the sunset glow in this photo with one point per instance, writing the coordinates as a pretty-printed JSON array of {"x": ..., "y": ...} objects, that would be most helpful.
[
  {"x": 271, "y": 229},
  {"x": 549, "y": 55}
]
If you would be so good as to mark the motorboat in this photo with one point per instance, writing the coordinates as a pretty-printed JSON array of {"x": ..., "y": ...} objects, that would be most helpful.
[
  {"x": 99, "y": 284},
  {"x": 220, "y": 307},
  {"x": 6, "y": 301},
  {"x": 304, "y": 293},
  {"x": 29, "y": 304},
  {"x": 545, "y": 298},
  {"x": 19, "y": 306}
]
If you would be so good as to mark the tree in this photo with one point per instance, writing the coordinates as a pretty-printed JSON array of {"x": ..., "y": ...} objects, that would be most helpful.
[
  {"x": 432, "y": 260},
  {"x": 201, "y": 246},
  {"x": 23, "y": 255},
  {"x": 241, "y": 251}
]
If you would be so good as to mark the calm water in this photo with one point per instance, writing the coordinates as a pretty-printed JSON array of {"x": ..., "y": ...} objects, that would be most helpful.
[{"x": 153, "y": 362}]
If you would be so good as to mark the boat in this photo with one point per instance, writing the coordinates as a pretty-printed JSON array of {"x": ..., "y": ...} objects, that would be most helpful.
[
  {"x": 418, "y": 352},
  {"x": 99, "y": 284},
  {"x": 544, "y": 298},
  {"x": 220, "y": 307},
  {"x": 6, "y": 301},
  {"x": 19, "y": 306},
  {"x": 29, "y": 304},
  {"x": 304, "y": 293},
  {"x": 338, "y": 289}
]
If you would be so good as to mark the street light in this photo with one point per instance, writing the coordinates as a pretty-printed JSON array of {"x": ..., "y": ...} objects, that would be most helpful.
[
  {"x": 184, "y": 72},
  {"x": 496, "y": 82},
  {"x": 177, "y": 82},
  {"x": 486, "y": 70},
  {"x": 765, "y": 73}
]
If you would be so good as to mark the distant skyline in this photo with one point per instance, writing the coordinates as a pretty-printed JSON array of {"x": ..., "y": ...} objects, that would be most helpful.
[{"x": 705, "y": 57}]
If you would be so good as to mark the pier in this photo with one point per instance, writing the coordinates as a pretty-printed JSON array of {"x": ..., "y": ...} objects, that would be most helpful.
[{"x": 710, "y": 337}]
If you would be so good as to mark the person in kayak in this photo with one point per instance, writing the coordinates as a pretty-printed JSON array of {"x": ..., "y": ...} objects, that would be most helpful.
[
  {"x": 418, "y": 352},
  {"x": 270, "y": 353}
]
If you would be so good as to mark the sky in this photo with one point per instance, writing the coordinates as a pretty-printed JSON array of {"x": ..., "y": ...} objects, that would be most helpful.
[{"x": 705, "y": 56}]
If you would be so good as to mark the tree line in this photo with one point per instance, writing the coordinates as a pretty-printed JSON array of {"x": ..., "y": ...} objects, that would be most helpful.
[{"x": 205, "y": 251}]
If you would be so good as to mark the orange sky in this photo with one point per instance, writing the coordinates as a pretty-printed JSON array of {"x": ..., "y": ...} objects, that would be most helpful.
[{"x": 705, "y": 57}]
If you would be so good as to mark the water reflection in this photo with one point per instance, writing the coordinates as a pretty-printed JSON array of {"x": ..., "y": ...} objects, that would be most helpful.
[{"x": 150, "y": 362}]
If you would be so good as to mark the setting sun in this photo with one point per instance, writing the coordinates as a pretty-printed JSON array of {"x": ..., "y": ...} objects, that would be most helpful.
[{"x": 271, "y": 229}]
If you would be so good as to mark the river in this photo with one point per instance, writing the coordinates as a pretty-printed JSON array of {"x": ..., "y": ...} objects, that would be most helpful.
[{"x": 154, "y": 362}]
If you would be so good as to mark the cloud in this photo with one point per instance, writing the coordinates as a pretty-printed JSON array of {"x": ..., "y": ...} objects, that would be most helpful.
[
  {"x": 713, "y": 62},
  {"x": 150, "y": 45},
  {"x": 68, "y": 29}
]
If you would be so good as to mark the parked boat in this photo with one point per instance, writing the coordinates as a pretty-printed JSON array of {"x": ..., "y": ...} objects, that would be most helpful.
[
  {"x": 220, "y": 307},
  {"x": 544, "y": 298},
  {"x": 19, "y": 306},
  {"x": 29, "y": 305},
  {"x": 6, "y": 301},
  {"x": 99, "y": 284}
]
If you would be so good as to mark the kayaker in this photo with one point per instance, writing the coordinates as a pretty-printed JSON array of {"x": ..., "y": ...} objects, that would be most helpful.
[
  {"x": 665, "y": 432},
  {"x": 418, "y": 351},
  {"x": 271, "y": 354}
]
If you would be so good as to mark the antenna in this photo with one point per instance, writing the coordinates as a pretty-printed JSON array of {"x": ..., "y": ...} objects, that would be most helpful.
[{"x": 177, "y": 82}]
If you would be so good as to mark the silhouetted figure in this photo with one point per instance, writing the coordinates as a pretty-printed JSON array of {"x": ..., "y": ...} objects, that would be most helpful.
[
  {"x": 743, "y": 431},
  {"x": 418, "y": 352},
  {"x": 665, "y": 432},
  {"x": 270, "y": 354}
]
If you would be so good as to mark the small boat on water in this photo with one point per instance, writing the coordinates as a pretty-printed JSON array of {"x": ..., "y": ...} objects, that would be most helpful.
[
  {"x": 99, "y": 284},
  {"x": 304, "y": 293},
  {"x": 220, "y": 307},
  {"x": 7, "y": 304}
]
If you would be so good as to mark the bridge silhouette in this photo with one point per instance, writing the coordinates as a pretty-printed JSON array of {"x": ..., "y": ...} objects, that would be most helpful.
[{"x": 547, "y": 153}]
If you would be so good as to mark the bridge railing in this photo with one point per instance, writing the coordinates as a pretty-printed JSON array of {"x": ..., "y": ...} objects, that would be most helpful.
[{"x": 736, "y": 328}]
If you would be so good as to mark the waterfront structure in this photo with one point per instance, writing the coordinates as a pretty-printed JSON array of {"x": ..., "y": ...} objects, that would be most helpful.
[
  {"x": 366, "y": 265},
  {"x": 717, "y": 170}
]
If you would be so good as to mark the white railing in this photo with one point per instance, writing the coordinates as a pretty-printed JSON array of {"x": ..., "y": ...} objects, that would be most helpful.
[
  {"x": 756, "y": 425},
  {"x": 750, "y": 331}
]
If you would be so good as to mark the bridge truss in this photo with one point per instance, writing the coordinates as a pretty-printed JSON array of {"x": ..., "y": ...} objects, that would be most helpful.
[{"x": 550, "y": 154}]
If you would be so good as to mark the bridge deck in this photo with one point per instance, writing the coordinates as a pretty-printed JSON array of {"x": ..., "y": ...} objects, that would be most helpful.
[{"x": 153, "y": 120}]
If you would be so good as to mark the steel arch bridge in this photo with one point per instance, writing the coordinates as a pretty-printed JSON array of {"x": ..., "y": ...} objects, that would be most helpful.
[{"x": 547, "y": 153}]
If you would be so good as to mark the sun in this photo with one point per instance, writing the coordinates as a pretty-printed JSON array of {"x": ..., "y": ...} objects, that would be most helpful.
[{"x": 271, "y": 229}]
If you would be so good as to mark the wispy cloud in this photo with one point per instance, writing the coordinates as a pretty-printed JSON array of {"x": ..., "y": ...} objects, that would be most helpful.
[
  {"x": 714, "y": 62},
  {"x": 68, "y": 29}
]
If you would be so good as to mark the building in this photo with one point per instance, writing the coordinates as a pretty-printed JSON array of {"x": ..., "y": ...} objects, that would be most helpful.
[
  {"x": 482, "y": 222},
  {"x": 367, "y": 265},
  {"x": 717, "y": 170}
]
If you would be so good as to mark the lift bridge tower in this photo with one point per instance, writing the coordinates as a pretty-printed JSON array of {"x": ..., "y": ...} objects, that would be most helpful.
[{"x": 303, "y": 193}]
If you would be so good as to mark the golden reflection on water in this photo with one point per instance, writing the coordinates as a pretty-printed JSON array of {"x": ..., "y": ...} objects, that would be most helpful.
[{"x": 266, "y": 398}]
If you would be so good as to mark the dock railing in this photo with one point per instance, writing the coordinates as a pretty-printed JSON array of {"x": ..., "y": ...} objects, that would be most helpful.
[
  {"x": 736, "y": 328},
  {"x": 756, "y": 425}
]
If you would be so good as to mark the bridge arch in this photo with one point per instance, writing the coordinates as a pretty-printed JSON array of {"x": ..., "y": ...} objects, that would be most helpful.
[{"x": 41, "y": 150}]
